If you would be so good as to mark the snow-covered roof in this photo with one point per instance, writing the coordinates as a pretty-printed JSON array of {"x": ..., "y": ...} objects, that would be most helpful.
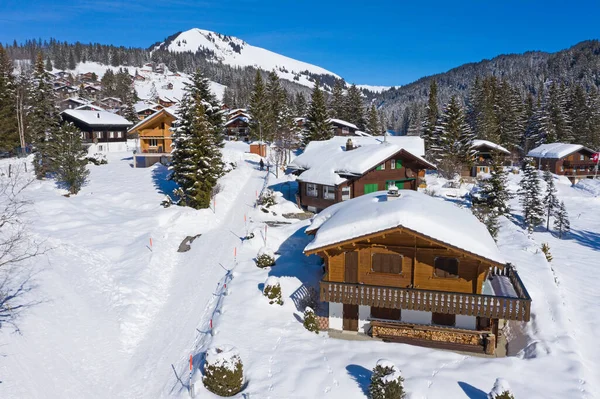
[
  {"x": 440, "y": 220},
  {"x": 363, "y": 134},
  {"x": 90, "y": 107},
  {"x": 556, "y": 150},
  {"x": 485, "y": 143},
  {"x": 169, "y": 110},
  {"x": 111, "y": 98},
  {"x": 325, "y": 162},
  {"x": 77, "y": 100},
  {"x": 97, "y": 118},
  {"x": 146, "y": 105},
  {"x": 237, "y": 118},
  {"x": 342, "y": 122},
  {"x": 233, "y": 111}
]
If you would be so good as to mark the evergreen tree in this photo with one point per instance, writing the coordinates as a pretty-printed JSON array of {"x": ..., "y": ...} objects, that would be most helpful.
[
  {"x": 337, "y": 102},
  {"x": 386, "y": 382},
  {"x": 508, "y": 114},
  {"x": 558, "y": 123},
  {"x": 549, "y": 200},
  {"x": 48, "y": 65},
  {"x": 373, "y": 126},
  {"x": 153, "y": 93},
  {"x": 355, "y": 110},
  {"x": 431, "y": 119},
  {"x": 276, "y": 100},
  {"x": 300, "y": 105},
  {"x": 68, "y": 157},
  {"x": 258, "y": 108},
  {"x": 533, "y": 208},
  {"x": 108, "y": 84},
  {"x": 452, "y": 148},
  {"x": 578, "y": 114},
  {"x": 9, "y": 135},
  {"x": 43, "y": 117},
  {"x": 318, "y": 126},
  {"x": 561, "y": 220},
  {"x": 197, "y": 162},
  {"x": 593, "y": 120}
]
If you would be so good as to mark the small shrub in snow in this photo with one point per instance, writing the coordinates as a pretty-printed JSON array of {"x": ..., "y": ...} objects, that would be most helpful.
[
  {"x": 386, "y": 381},
  {"x": 546, "y": 251},
  {"x": 265, "y": 258},
  {"x": 97, "y": 159},
  {"x": 501, "y": 390},
  {"x": 272, "y": 290},
  {"x": 310, "y": 320},
  {"x": 223, "y": 371},
  {"x": 267, "y": 198}
]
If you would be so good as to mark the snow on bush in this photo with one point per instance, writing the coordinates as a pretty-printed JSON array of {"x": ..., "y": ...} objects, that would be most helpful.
[
  {"x": 267, "y": 198},
  {"x": 265, "y": 257},
  {"x": 97, "y": 159},
  {"x": 310, "y": 320},
  {"x": 272, "y": 290},
  {"x": 386, "y": 381},
  {"x": 223, "y": 371},
  {"x": 501, "y": 390}
]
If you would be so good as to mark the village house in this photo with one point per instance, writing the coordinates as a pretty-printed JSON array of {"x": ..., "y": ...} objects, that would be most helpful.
[
  {"x": 166, "y": 101},
  {"x": 102, "y": 131},
  {"x": 343, "y": 128},
  {"x": 342, "y": 168},
  {"x": 405, "y": 267},
  {"x": 71, "y": 103},
  {"x": 237, "y": 126},
  {"x": 91, "y": 91},
  {"x": 485, "y": 151},
  {"x": 571, "y": 160},
  {"x": 144, "y": 109},
  {"x": 88, "y": 77},
  {"x": 64, "y": 91},
  {"x": 110, "y": 103},
  {"x": 154, "y": 138}
]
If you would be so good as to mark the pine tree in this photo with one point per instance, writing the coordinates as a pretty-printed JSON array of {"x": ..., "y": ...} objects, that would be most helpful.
[
  {"x": 276, "y": 100},
  {"x": 300, "y": 105},
  {"x": 355, "y": 110},
  {"x": 258, "y": 108},
  {"x": 533, "y": 208},
  {"x": 9, "y": 135},
  {"x": 561, "y": 220},
  {"x": 593, "y": 119},
  {"x": 386, "y": 382},
  {"x": 578, "y": 114},
  {"x": 153, "y": 96},
  {"x": 452, "y": 148},
  {"x": 337, "y": 102},
  {"x": 549, "y": 200},
  {"x": 318, "y": 126},
  {"x": 494, "y": 197},
  {"x": 43, "y": 117},
  {"x": 48, "y": 64},
  {"x": 68, "y": 157},
  {"x": 431, "y": 119},
  {"x": 373, "y": 126},
  {"x": 197, "y": 162}
]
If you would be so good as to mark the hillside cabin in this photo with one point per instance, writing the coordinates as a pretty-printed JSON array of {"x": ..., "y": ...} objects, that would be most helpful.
[
  {"x": 402, "y": 266},
  {"x": 166, "y": 101},
  {"x": 91, "y": 91},
  {"x": 342, "y": 168},
  {"x": 144, "y": 109},
  {"x": 102, "y": 131},
  {"x": 485, "y": 151},
  {"x": 571, "y": 160},
  {"x": 88, "y": 77},
  {"x": 71, "y": 103},
  {"x": 154, "y": 138},
  {"x": 110, "y": 103},
  {"x": 237, "y": 126},
  {"x": 343, "y": 128}
]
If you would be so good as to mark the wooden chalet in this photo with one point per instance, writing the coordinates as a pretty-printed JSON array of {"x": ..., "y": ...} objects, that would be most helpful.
[
  {"x": 144, "y": 109},
  {"x": 65, "y": 91},
  {"x": 237, "y": 126},
  {"x": 110, "y": 103},
  {"x": 166, "y": 101},
  {"x": 71, "y": 103},
  {"x": 343, "y": 128},
  {"x": 405, "y": 267},
  {"x": 91, "y": 91},
  {"x": 154, "y": 137},
  {"x": 571, "y": 160},
  {"x": 485, "y": 151},
  {"x": 88, "y": 77},
  {"x": 342, "y": 168},
  {"x": 101, "y": 130}
]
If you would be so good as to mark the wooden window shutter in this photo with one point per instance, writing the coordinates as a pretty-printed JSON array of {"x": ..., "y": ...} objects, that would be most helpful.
[
  {"x": 443, "y": 319},
  {"x": 386, "y": 263},
  {"x": 446, "y": 267}
]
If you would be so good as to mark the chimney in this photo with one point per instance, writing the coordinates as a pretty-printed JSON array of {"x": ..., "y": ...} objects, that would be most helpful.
[
  {"x": 349, "y": 145},
  {"x": 393, "y": 193}
]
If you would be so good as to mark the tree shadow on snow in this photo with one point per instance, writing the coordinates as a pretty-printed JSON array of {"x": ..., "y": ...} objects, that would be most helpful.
[
  {"x": 163, "y": 185},
  {"x": 590, "y": 239},
  {"x": 288, "y": 189},
  {"x": 361, "y": 376},
  {"x": 471, "y": 391}
]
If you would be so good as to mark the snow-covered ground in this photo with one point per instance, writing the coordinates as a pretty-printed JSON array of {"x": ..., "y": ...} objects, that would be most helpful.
[{"x": 120, "y": 320}]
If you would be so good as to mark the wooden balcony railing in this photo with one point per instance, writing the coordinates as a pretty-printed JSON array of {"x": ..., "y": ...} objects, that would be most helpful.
[{"x": 489, "y": 306}]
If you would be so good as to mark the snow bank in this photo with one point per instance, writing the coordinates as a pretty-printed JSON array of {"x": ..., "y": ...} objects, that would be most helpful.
[
  {"x": 226, "y": 356},
  {"x": 272, "y": 281},
  {"x": 266, "y": 251},
  {"x": 592, "y": 186},
  {"x": 500, "y": 386}
]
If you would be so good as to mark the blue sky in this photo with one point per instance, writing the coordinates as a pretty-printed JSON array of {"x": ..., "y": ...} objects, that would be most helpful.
[{"x": 377, "y": 42}]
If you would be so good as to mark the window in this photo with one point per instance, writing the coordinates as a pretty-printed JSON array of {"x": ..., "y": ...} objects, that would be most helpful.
[
  {"x": 581, "y": 157},
  {"x": 370, "y": 188},
  {"x": 562, "y": 168},
  {"x": 381, "y": 167},
  {"x": 111, "y": 135},
  {"x": 446, "y": 267},
  {"x": 443, "y": 319},
  {"x": 345, "y": 193},
  {"x": 393, "y": 164},
  {"x": 345, "y": 130},
  {"x": 153, "y": 142},
  {"x": 329, "y": 192},
  {"x": 398, "y": 164},
  {"x": 482, "y": 169},
  {"x": 386, "y": 263},
  {"x": 119, "y": 134},
  {"x": 311, "y": 190},
  {"x": 99, "y": 135},
  {"x": 385, "y": 313}
]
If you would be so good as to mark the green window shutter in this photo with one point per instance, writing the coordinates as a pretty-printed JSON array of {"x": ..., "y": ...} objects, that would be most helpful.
[
  {"x": 398, "y": 163},
  {"x": 370, "y": 188},
  {"x": 400, "y": 185},
  {"x": 378, "y": 167}
]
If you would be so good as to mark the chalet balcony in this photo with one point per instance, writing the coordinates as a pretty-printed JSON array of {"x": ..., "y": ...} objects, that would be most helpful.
[{"x": 488, "y": 306}]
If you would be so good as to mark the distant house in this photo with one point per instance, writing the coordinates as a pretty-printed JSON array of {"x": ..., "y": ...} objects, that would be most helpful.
[
  {"x": 88, "y": 77},
  {"x": 237, "y": 126},
  {"x": 484, "y": 152},
  {"x": 139, "y": 77},
  {"x": 71, "y": 103},
  {"x": 168, "y": 86},
  {"x": 144, "y": 109},
  {"x": 111, "y": 103},
  {"x": 405, "y": 267},
  {"x": 65, "y": 91},
  {"x": 154, "y": 137},
  {"x": 102, "y": 130},
  {"x": 343, "y": 128},
  {"x": 166, "y": 101},
  {"x": 92, "y": 91},
  {"x": 342, "y": 168},
  {"x": 571, "y": 160}
]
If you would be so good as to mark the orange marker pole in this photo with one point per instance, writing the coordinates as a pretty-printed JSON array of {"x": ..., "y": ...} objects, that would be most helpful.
[
  {"x": 150, "y": 243},
  {"x": 235, "y": 255},
  {"x": 191, "y": 369}
]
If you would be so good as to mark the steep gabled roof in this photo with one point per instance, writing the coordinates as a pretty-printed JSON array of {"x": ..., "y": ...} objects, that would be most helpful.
[
  {"x": 556, "y": 150},
  {"x": 479, "y": 144},
  {"x": 97, "y": 118},
  {"x": 421, "y": 214},
  {"x": 343, "y": 123},
  {"x": 172, "y": 111}
]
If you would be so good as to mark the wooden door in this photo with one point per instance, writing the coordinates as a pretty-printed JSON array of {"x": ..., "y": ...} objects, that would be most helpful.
[
  {"x": 351, "y": 267},
  {"x": 350, "y": 318}
]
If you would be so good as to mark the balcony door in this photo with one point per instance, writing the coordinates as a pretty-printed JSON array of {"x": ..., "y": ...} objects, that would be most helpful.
[{"x": 350, "y": 312}]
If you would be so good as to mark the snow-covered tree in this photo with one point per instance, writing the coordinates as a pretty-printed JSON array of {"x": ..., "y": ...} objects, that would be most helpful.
[
  {"x": 549, "y": 199},
  {"x": 561, "y": 220},
  {"x": 337, "y": 102},
  {"x": 318, "y": 126},
  {"x": 223, "y": 371},
  {"x": 386, "y": 381},
  {"x": 68, "y": 157},
  {"x": 265, "y": 257},
  {"x": 501, "y": 390},
  {"x": 272, "y": 290},
  {"x": 153, "y": 95},
  {"x": 197, "y": 162},
  {"x": 259, "y": 109},
  {"x": 300, "y": 105},
  {"x": 310, "y": 320},
  {"x": 9, "y": 135},
  {"x": 432, "y": 114},
  {"x": 355, "y": 109},
  {"x": 495, "y": 189},
  {"x": 373, "y": 122},
  {"x": 529, "y": 196}
]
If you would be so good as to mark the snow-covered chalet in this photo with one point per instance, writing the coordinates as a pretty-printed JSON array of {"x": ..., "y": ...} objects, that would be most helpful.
[
  {"x": 406, "y": 267},
  {"x": 484, "y": 153},
  {"x": 101, "y": 130},
  {"x": 572, "y": 160}
]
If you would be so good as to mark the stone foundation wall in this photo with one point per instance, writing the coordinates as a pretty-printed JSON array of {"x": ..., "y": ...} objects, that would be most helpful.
[
  {"x": 323, "y": 323},
  {"x": 430, "y": 335}
]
